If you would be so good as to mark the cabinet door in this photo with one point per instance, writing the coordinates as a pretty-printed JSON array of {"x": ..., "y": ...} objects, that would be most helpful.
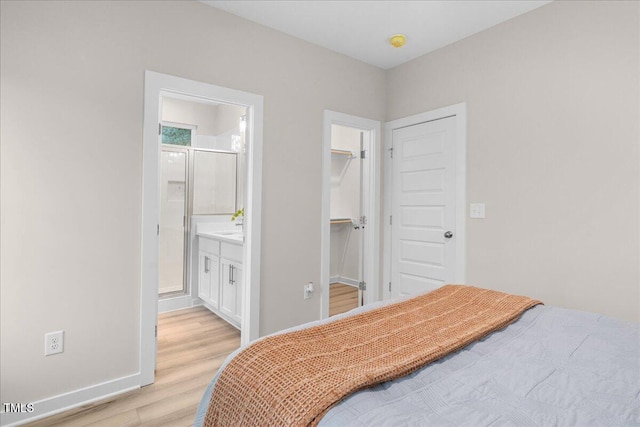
[
  {"x": 209, "y": 278},
  {"x": 204, "y": 274},
  {"x": 237, "y": 278},
  {"x": 214, "y": 281},
  {"x": 227, "y": 289}
]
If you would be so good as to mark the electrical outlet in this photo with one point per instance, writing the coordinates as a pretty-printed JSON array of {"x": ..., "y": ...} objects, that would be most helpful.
[
  {"x": 308, "y": 290},
  {"x": 53, "y": 343}
]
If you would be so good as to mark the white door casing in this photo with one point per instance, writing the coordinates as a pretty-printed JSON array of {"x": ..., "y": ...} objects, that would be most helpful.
[
  {"x": 424, "y": 199},
  {"x": 371, "y": 205},
  {"x": 363, "y": 194},
  {"x": 157, "y": 84}
]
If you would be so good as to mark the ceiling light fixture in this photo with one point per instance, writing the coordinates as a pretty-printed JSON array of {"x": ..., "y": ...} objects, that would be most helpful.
[{"x": 398, "y": 40}]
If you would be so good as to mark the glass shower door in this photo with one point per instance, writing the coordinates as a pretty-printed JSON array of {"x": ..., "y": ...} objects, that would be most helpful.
[{"x": 173, "y": 204}]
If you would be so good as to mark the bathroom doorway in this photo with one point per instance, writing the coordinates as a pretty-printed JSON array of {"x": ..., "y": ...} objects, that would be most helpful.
[
  {"x": 201, "y": 182},
  {"x": 350, "y": 237},
  {"x": 157, "y": 88}
]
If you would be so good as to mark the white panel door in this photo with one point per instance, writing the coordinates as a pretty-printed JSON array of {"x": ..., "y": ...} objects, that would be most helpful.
[{"x": 423, "y": 207}]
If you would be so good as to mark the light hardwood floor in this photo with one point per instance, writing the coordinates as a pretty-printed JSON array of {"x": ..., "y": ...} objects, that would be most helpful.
[
  {"x": 342, "y": 298},
  {"x": 192, "y": 344}
]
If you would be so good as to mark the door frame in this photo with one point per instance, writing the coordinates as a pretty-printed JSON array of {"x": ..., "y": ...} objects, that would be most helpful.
[
  {"x": 372, "y": 255},
  {"x": 155, "y": 85},
  {"x": 459, "y": 111}
]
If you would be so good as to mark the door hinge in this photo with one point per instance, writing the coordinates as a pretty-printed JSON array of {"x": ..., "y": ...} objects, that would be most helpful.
[
  {"x": 389, "y": 286},
  {"x": 158, "y": 230},
  {"x": 156, "y": 331},
  {"x": 159, "y": 128},
  {"x": 362, "y": 286},
  {"x": 363, "y": 154},
  {"x": 391, "y": 152},
  {"x": 390, "y": 219}
]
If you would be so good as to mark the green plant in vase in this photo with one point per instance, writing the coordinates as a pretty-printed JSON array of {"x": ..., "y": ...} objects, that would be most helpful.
[{"x": 238, "y": 214}]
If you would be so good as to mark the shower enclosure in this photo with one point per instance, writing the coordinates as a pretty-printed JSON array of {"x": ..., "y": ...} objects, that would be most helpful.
[
  {"x": 173, "y": 212},
  {"x": 194, "y": 181}
]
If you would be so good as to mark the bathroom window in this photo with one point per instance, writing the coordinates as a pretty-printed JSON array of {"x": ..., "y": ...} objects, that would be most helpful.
[{"x": 175, "y": 134}]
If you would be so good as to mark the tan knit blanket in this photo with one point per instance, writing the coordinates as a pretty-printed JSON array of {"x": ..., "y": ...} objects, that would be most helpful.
[{"x": 293, "y": 379}]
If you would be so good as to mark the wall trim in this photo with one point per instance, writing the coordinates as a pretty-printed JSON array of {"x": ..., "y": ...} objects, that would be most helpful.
[
  {"x": 176, "y": 303},
  {"x": 73, "y": 399}
]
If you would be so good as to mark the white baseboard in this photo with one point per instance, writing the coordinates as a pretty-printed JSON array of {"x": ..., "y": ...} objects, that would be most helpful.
[
  {"x": 177, "y": 303},
  {"x": 66, "y": 401},
  {"x": 344, "y": 281}
]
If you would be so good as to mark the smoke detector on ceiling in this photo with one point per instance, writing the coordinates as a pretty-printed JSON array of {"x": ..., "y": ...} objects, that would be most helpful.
[{"x": 398, "y": 40}]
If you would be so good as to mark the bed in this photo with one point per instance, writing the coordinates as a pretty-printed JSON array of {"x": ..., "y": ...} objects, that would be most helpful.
[{"x": 549, "y": 367}]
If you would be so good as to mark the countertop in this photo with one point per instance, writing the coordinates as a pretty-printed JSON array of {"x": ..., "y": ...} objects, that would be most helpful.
[{"x": 230, "y": 236}]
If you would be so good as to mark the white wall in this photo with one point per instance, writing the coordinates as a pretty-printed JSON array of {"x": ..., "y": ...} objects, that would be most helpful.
[
  {"x": 71, "y": 95},
  {"x": 553, "y": 107},
  {"x": 203, "y": 116}
]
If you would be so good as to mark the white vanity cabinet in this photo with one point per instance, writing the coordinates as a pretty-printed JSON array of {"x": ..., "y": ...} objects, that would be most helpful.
[
  {"x": 220, "y": 277},
  {"x": 231, "y": 281},
  {"x": 209, "y": 272}
]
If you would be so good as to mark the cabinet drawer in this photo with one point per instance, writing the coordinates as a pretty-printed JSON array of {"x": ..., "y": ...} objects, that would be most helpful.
[
  {"x": 231, "y": 251},
  {"x": 209, "y": 245}
]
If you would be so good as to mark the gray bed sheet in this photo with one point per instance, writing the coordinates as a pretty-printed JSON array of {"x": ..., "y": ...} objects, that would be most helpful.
[{"x": 552, "y": 367}]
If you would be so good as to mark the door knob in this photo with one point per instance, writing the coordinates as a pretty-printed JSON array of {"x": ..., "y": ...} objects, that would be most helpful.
[{"x": 448, "y": 235}]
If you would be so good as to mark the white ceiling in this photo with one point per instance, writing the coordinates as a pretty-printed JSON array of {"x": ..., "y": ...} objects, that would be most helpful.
[{"x": 361, "y": 29}]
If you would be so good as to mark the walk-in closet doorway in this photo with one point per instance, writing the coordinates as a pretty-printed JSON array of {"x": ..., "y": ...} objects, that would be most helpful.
[{"x": 350, "y": 206}]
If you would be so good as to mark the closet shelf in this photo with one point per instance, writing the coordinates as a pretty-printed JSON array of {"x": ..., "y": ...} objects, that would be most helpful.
[
  {"x": 341, "y": 221},
  {"x": 344, "y": 153}
]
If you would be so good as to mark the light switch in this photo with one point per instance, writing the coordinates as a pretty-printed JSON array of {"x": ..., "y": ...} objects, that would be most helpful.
[{"x": 476, "y": 210}]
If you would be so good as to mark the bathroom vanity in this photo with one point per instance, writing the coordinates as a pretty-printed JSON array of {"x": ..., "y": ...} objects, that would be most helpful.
[{"x": 220, "y": 273}]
